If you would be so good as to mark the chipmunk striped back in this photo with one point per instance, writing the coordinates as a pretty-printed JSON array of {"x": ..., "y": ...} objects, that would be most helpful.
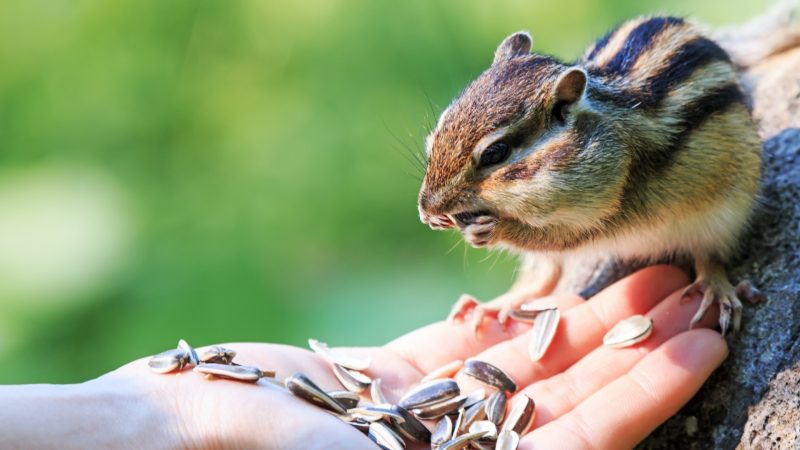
[{"x": 678, "y": 79}]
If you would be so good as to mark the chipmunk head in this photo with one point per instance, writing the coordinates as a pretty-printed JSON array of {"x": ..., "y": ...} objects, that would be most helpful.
[{"x": 508, "y": 145}]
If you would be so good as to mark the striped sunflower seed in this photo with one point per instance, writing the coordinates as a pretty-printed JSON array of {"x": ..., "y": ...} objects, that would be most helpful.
[
  {"x": 507, "y": 440},
  {"x": 519, "y": 419},
  {"x": 411, "y": 428},
  {"x": 544, "y": 329},
  {"x": 434, "y": 391},
  {"x": 382, "y": 435},
  {"x": 169, "y": 361},
  {"x": 473, "y": 414},
  {"x": 484, "y": 425},
  {"x": 376, "y": 392},
  {"x": 193, "y": 358},
  {"x": 461, "y": 441},
  {"x": 348, "y": 399},
  {"x": 437, "y": 410},
  {"x": 489, "y": 374},
  {"x": 457, "y": 423},
  {"x": 240, "y": 373},
  {"x": 376, "y": 412},
  {"x": 351, "y": 379},
  {"x": 217, "y": 354},
  {"x": 629, "y": 331},
  {"x": 299, "y": 385},
  {"x": 442, "y": 432},
  {"x": 523, "y": 315},
  {"x": 496, "y": 407}
]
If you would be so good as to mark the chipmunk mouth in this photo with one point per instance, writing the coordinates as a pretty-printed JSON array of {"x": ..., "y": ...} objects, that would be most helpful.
[{"x": 467, "y": 218}]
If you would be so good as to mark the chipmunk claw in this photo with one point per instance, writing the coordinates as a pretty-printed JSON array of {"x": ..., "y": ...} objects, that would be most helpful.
[
  {"x": 463, "y": 306},
  {"x": 467, "y": 305},
  {"x": 721, "y": 292}
]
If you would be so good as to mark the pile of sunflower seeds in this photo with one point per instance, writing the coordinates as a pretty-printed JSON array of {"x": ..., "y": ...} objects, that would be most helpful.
[
  {"x": 460, "y": 420},
  {"x": 479, "y": 420}
]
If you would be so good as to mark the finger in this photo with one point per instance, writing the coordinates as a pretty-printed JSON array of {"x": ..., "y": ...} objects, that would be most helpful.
[
  {"x": 440, "y": 343},
  {"x": 557, "y": 395},
  {"x": 627, "y": 410},
  {"x": 581, "y": 328}
]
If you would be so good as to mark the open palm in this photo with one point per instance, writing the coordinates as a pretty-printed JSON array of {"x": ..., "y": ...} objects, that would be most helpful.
[{"x": 587, "y": 395}]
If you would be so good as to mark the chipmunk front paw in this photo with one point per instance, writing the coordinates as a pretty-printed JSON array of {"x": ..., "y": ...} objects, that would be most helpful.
[{"x": 479, "y": 231}]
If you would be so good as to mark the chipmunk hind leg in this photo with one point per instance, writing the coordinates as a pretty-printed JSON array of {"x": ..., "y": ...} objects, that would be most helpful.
[
  {"x": 713, "y": 284},
  {"x": 537, "y": 278}
]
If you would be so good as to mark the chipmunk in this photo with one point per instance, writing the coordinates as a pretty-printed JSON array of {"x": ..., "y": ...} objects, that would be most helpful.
[{"x": 642, "y": 148}]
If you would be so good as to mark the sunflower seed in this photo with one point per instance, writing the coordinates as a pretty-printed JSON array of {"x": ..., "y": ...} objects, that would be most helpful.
[
  {"x": 507, "y": 440},
  {"x": 446, "y": 371},
  {"x": 168, "y": 361},
  {"x": 351, "y": 379},
  {"x": 462, "y": 441},
  {"x": 377, "y": 411},
  {"x": 496, "y": 407},
  {"x": 437, "y": 410},
  {"x": 523, "y": 315},
  {"x": 425, "y": 394},
  {"x": 544, "y": 328},
  {"x": 348, "y": 399},
  {"x": 628, "y": 332},
  {"x": 382, "y": 435},
  {"x": 523, "y": 411},
  {"x": 217, "y": 354},
  {"x": 484, "y": 425},
  {"x": 241, "y": 373},
  {"x": 411, "y": 428},
  {"x": 473, "y": 414},
  {"x": 376, "y": 393},
  {"x": 337, "y": 357},
  {"x": 299, "y": 385},
  {"x": 457, "y": 423},
  {"x": 489, "y": 374},
  {"x": 442, "y": 432},
  {"x": 193, "y": 359}
]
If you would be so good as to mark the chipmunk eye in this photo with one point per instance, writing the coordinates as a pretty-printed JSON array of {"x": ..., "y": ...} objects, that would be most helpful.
[{"x": 494, "y": 154}]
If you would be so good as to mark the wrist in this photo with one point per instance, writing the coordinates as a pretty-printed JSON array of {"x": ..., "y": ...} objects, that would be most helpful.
[
  {"x": 127, "y": 413},
  {"x": 88, "y": 415}
]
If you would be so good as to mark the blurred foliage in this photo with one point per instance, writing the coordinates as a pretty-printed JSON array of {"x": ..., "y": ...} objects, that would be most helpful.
[{"x": 237, "y": 170}]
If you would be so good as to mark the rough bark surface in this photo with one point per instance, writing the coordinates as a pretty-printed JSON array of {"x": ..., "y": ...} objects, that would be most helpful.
[{"x": 753, "y": 400}]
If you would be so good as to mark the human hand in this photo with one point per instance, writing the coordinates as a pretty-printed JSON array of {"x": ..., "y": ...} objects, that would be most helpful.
[{"x": 587, "y": 395}]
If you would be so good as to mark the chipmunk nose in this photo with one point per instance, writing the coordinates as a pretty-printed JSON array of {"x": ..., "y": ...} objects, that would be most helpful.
[
  {"x": 429, "y": 215},
  {"x": 430, "y": 203}
]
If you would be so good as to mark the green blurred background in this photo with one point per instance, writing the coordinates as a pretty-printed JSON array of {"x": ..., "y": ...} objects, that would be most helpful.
[{"x": 237, "y": 170}]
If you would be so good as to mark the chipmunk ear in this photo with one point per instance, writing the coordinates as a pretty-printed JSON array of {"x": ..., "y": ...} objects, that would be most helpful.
[
  {"x": 518, "y": 44},
  {"x": 570, "y": 85}
]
